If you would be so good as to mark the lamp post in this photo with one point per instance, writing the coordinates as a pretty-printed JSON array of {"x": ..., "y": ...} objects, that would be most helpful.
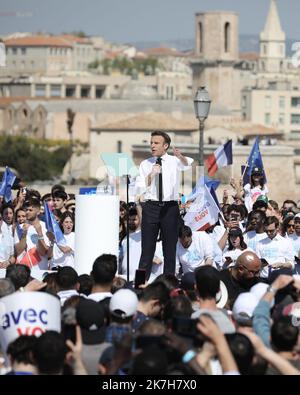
[
  {"x": 202, "y": 106},
  {"x": 70, "y": 122}
]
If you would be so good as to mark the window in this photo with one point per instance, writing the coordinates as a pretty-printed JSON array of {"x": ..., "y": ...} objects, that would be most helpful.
[
  {"x": 40, "y": 90},
  {"x": 268, "y": 102},
  {"x": 295, "y": 119},
  {"x": 55, "y": 90},
  {"x": 267, "y": 118},
  {"x": 70, "y": 91},
  {"x": 85, "y": 91},
  {"x": 23, "y": 51},
  {"x": 227, "y": 37},
  {"x": 244, "y": 101},
  {"x": 15, "y": 51},
  {"x": 295, "y": 102},
  {"x": 200, "y": 37},
  {"x": 99, "y": 92},
  {"x": 265, "y": 49},
  {"x": 281, "y": 102},
  {"x": 281, "y": 119}
]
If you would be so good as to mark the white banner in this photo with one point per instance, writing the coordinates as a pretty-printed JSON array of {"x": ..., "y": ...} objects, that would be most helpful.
[
  {"x": 203, "y": 212},
  {"x": 27, "y": 313}
]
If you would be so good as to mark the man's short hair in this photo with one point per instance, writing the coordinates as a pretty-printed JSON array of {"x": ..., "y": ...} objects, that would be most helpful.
[
  {"x": 288, "y": 201},
  {"x": 60, "y": 195},
  {"x": 104, "y": 269},
  {"x": 33, "y": 202},
  {"x": 185, "y": 231},
  {"x": 50, "y": 352},
  {"x": 272, "y": 220},
  {"x": 21, "y": 349},
  {"x": 259, "y": 204},
  {"x": 155, "y": 290},
  {"x": 164, "y": 135},
  {"x": 207, "y": 282},
  {"x": 242, "y": 351},
  {"x": 67, "y": 277},
  {"x": 6, "y": 287},
  {"x": 284, "y": 335},
  {"x": 57, "y": 187},
  {"x": 19, "y": 275}
]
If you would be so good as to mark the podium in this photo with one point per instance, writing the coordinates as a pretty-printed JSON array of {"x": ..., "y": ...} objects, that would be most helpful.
[{"x": 96, "y": 229}]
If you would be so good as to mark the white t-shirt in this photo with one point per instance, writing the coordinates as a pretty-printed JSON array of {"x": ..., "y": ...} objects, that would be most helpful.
[
  {"x": 252, "y": 238},
  {"x": 30, "y": 256},
  {"x": 295, "y": 240},
  {"x": 6, "y": 243},
  {"x": 135, "y": 250},
  {"x": 234, "y": 254},
  {"x": 251, "y": 195},
  {"x": 195, "y": 255},
  {"x": 277, "y": 250},
  {"x": 59, "y": 257},
  {"x": 215, "y": 237}
]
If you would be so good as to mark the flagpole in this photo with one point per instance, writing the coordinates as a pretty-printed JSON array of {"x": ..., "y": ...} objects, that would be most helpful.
[{"x": 247, "y": 165}]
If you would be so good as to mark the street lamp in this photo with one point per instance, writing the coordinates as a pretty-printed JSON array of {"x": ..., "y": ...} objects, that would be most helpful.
[{"x": 202, "y": 106}]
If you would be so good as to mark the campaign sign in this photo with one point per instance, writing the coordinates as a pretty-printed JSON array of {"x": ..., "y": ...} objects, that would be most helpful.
[{"x": 27, "y": 313}]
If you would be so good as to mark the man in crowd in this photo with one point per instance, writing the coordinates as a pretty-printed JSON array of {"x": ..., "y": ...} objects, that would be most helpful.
[
  {"x": 159, "y": 176},
  {"x": 194, "y": 249},
  {"x": 242, "y": 276},
  {"x": 31, "y": 249},
  {"x": 103, "y": 273},
  {"x": 276, "y": 251}
]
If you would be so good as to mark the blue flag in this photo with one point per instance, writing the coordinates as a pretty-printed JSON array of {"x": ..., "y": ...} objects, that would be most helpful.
[
  {"x": 19, "y": 231},
  {"x": 53, "y": 226},
  {"x": 214, "y": 196},
  {"x": 203, "y": 180},
  {"x": 254, "y": 160},
  {"x": 8, "y": 180}
]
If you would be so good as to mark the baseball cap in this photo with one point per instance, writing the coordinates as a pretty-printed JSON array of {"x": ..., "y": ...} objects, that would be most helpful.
[
  {"x": 263, "y": 198},
  {"x": 243, "y": 308},
  {"x": 258, "y": 290},
  {"x": 188, "y": 281},
  {"x": 90, "y": 317},
  {"x": 123, "y": 303},
  {"x": 256, "y": 171}
]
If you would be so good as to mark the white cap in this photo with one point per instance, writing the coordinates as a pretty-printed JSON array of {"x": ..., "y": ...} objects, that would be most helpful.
[
  {"x": 125, "y": 301},
  {"x": 244, "y": 306},
  {"x": 259, "y": 290},
  {"x": 222, "y": 296}
]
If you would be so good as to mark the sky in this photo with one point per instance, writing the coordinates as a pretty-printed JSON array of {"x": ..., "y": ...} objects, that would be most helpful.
[{"x": 125, "y": 21}]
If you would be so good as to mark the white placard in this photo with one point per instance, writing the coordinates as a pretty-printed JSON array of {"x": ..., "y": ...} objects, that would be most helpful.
[
  {"x": 27, "y": 313},
  {"x": 97, "y": 229}
]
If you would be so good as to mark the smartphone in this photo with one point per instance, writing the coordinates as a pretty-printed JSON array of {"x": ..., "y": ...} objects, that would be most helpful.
[
  {"x": 140, "y": 278},
  {"x": 185, "y": 326},
  {"x": 264, "y": 262}
]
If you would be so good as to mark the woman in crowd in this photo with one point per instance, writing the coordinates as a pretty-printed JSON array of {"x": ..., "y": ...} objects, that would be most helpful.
[
  {"x": 288, "y": 226},
  {"x": 63, "y": 255},
  {"x": 236, "y": 246},
  {"x": 255, "y": 188}
]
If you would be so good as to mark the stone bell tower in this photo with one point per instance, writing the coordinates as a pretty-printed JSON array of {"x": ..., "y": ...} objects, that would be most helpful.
[{"x": 216, "y": 55}]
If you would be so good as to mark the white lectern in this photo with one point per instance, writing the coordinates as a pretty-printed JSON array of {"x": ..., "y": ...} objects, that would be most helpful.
[{"x": 96, "y": 229}]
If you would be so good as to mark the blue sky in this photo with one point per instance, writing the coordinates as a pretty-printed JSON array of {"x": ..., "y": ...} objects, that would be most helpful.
[{"x": 137, "y": 20}]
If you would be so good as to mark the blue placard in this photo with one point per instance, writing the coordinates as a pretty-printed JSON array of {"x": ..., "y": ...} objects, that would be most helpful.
[{"x": 88, "y": 191}]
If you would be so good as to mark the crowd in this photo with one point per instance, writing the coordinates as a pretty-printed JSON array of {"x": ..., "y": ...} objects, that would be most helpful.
[{"x": 231, "y": 306}]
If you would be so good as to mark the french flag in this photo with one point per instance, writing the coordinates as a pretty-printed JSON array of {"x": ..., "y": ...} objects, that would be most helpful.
[{"x": 220, "y": 158}]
